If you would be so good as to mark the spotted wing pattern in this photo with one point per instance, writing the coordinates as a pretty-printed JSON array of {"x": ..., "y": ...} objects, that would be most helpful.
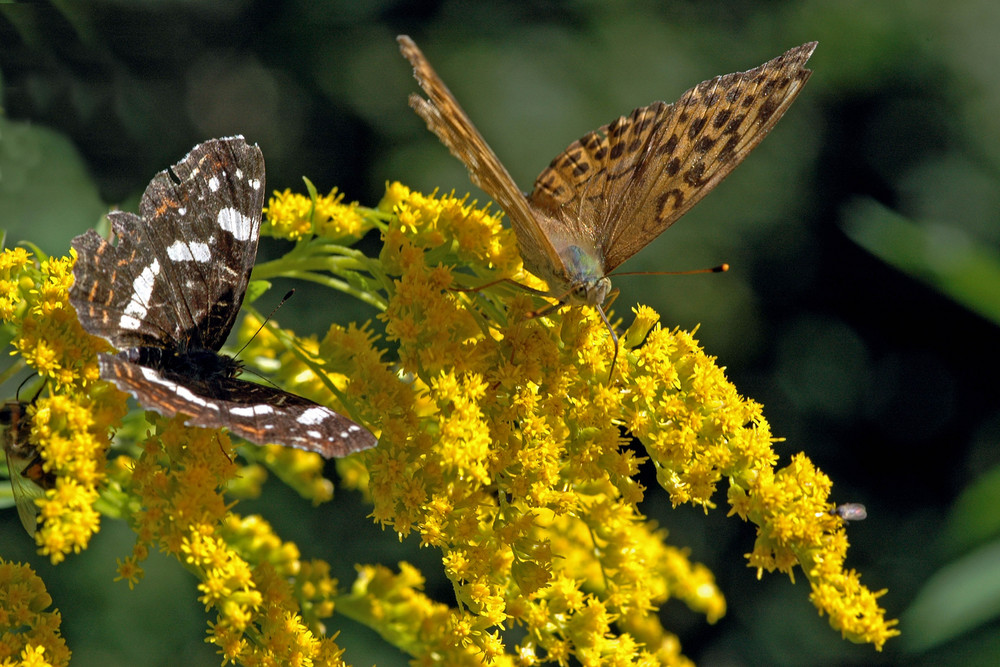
[
  {"x": 446, "y": 119},
  {"x": 168, "y": 293},
  {"x": 625, "y": 183},
  {"x": 613, "y": 191},
  {"x": 180, "y": 269}
]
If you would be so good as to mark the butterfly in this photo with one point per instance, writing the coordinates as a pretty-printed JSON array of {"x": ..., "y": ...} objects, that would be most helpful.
[
  {"x": 617, "y": 188},
  {"x": 168, "y": 293},
  {"x": 28, "y": 479}
]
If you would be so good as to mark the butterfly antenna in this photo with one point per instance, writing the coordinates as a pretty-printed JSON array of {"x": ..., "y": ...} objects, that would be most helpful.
[
  {"x": 266, "y": 320},
  {"x": 721, "y": 268}
]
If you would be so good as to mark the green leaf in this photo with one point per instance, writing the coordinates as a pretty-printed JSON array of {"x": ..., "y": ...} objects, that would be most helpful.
[
  {"x": 255, "y": 290},
  {"x": 46, "y": 192},
  {"x": 941, "y": 256},
  {"x": 960, "y": 597}
]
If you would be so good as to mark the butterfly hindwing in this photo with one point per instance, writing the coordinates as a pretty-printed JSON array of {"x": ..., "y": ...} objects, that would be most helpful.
[
  {"x": 180, "y": 268},
  {"x": 255, "y": 412}
]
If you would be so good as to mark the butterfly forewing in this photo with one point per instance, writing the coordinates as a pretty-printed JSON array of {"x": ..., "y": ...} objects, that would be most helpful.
[
  {"x": 446, "y": 119},
  {"x": 180, "y": 269},
  {"x": 627, "y": 182}
]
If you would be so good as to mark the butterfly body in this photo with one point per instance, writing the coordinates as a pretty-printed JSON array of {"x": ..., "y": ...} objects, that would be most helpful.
[
  {"x": 581, "y": 274},
  {"x": 197, "y": 362},
  {"x": 851, "y": 512},
  {"x": 617, "y": 188}
]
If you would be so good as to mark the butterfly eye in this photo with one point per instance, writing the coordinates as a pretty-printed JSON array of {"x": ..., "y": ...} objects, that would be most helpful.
[{"x": 580, "y": 293}]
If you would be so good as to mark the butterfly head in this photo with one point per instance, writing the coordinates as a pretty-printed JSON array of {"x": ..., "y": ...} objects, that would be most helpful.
[
  {"x": 589, "y": 293},
  {"x": 585, "y": 279}
]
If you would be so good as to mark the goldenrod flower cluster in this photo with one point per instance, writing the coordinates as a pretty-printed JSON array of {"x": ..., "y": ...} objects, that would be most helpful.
[
  {"x": 70, "y": 424},
  {"x": 506, "y": 443},
  {"x": 268, "y": 603},
  {"x": 295, "y": 216},
  {"x": 507, "y": 449},
  {"x": 29, "y": 635}
]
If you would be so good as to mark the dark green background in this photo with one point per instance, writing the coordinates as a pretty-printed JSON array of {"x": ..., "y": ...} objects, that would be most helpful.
[{"x": 887, "y": 384}]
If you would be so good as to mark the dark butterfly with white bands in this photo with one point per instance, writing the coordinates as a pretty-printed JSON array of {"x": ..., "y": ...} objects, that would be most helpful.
[{"x": 168, "y": 294}]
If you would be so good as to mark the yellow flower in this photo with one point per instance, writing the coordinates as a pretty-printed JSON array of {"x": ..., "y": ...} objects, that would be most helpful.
[
  {"x": 247, "y": 574},
  {"x": 294, "y": 216},
  {"x": 12, "y": 263},
  {"x": 795, "y": 527},
  {"x": 503, "y": 444},
  {"x": 28, "y": 632},
  {"x": 68, "y": 427},
  {"x": 514, "y": 465},
  {"x": 129, "y": 571}
]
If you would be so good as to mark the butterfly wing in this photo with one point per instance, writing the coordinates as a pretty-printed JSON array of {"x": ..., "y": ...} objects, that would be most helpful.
[
  {"x": 254, "y": 412},
  {"x": 625, "y": 183},
  {"x": 180, "y": 269},
  {"x": 446, "y": 119}
]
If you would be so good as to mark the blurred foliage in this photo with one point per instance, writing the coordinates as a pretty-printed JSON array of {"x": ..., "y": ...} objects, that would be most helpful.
[
  {"x": 884, "y": 380},
  {"x": 941, "y": 254}
]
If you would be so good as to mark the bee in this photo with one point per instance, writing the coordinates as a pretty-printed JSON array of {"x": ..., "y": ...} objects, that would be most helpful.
[{"x": 28, "y": 479}]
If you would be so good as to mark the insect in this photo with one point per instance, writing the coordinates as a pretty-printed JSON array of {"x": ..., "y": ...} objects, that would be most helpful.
[
  {"x": 616, "y": 189},
  {"x": 851, "y": 511},
  {"x": 28, "y": 479},
  {"x": 168, "y": 293}
]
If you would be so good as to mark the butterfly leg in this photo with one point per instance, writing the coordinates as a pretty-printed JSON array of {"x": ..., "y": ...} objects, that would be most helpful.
[
  {"x": 479, "y": 288},
  {"x": 223, "y": 449},
  {"x": 542, "y": 312},
  {"x": 600, "y": 310}
]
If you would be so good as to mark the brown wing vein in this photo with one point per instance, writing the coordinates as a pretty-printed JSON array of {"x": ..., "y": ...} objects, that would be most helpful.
[
  {"x": 738, "y": 110},
  {"x": 626, "y": 183},
  {"x": 446, "y": 119}
]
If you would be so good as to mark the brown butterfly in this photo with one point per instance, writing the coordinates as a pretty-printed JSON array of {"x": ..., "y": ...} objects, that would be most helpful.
[{"x": 616, "y": 189}]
